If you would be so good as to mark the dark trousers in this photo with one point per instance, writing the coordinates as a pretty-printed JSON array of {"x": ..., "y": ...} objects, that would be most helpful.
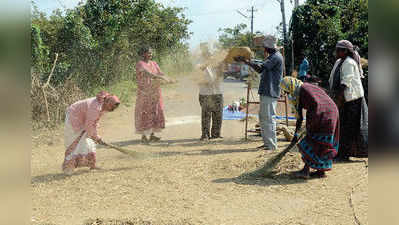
[
  {"x": 349, "y": 128},
  {"x": 211, "y": 110}
]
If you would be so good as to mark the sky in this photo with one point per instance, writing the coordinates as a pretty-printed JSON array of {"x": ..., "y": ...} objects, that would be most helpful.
[{"x": 210, "y": 15}]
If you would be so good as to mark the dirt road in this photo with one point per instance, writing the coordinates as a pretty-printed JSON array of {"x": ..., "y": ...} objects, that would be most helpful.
[{"x": 190, "y": 182}]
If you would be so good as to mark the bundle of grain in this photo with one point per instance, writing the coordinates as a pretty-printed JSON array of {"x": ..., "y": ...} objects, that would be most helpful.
[{"x": 239, "y": 51}]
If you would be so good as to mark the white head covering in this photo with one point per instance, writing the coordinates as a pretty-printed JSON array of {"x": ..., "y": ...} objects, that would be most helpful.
[
  {"x": 270, "y": 42},
  {"x": 345, "y": 44}
]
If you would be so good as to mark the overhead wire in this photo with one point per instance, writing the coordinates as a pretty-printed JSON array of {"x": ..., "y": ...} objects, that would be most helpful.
[{"x": 226, "y": 11}]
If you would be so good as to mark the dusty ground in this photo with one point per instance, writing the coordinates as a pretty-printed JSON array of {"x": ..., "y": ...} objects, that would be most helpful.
[{"x": 190, "y": 182}]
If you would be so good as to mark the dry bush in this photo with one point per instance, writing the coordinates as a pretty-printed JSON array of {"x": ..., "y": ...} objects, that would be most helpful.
[{"x": 49, "y": 104}]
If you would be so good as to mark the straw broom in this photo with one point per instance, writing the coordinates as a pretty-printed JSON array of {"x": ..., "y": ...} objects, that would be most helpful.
[
  {"x": 128, "y": 152},
  {"x": 267, "y": 169}
]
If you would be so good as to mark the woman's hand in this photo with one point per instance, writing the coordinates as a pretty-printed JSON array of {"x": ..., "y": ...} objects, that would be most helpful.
[
  {"x": 339, "y": 101},
  {"x": 99, "y": 141},
  {"x": 168, "y": 79}
]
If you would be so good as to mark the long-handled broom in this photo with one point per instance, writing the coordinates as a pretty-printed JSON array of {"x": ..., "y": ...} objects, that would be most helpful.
[
  {"x": 128, "y": 152},
  {"x": 267, "y": 169}
]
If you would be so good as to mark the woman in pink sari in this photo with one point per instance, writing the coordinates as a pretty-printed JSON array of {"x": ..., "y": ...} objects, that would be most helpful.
[
  {"x": 149, "y": 113},
  {"x": 80, "y": 132}
]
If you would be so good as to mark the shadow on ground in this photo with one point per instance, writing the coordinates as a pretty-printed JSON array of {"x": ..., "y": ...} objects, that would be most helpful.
[
  {"x": 190, "y": 142},
  {"x": 205, "y": 152},
  {"x": 255, "y": 179},
  {"x": 47, "y": 178}
]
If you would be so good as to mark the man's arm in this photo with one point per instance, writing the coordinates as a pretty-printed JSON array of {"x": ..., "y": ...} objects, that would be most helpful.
[
  {"x": 254, "y": 66},
  {"x": 271, "y": 62}
]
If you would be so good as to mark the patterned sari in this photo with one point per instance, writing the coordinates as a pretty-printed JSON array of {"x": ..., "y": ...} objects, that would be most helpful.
[
  {"x": 320, "y": 145},
  {"x": 149, "y": 113}
]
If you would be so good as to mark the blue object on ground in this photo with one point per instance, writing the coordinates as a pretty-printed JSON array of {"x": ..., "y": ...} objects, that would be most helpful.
[{"x": 229, "y": 115}]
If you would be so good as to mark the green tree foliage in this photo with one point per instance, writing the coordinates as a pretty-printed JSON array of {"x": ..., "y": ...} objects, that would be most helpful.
[
  {"x": 316, "y": 30},
  {"x": 317, "y": 25},
  {"x": 97, "y": 41},
  {"x": 39, "y": 51},
  {"x": 236, "y": 37}
]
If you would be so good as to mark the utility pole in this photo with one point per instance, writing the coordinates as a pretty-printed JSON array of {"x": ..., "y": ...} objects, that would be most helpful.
[{"x": 252, "y": 10}]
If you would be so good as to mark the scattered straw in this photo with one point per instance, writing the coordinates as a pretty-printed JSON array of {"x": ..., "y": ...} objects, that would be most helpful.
[{"x": 267, "y": 169}]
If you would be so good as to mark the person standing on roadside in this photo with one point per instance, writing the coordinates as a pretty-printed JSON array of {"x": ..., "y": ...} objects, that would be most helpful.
[{"x": 303, "y": 69}]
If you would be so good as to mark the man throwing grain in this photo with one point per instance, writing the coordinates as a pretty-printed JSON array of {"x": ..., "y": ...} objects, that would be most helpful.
[
  {"x": 211, "y": 99},
  {"x": 269, "y": 90}
]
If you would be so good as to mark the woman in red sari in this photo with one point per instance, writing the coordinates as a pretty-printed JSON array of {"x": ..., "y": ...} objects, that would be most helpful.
[{"x": 149, "y": 113}]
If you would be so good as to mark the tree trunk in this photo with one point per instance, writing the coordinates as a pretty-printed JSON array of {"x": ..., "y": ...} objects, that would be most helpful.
[
  {"x": 282, "y": 7},
  {"x": 292, "y": 55},
  {"x": 296, "y": 4}
]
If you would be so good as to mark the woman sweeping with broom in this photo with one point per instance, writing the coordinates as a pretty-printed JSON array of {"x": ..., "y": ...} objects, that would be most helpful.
[
  {"x": 81, "y": 130},
  {"x": 320, "y": 145}
]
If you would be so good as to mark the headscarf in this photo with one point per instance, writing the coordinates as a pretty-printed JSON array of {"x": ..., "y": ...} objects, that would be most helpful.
[
  {"x": 292, "y": 86},
  {"x": 345, "y": 44},
  {"x": 103, "y": 95},
  {"x": 336, "y": 80}
]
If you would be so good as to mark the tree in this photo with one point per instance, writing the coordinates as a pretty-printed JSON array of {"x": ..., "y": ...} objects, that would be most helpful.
[
  {"x": 283, "y": 21},
  {"x": 39, "y": 50},
  {"x": 98, "y": 40},
  {"x": 317, "y": 25},
  {"x": 296, "y": 3},
  {"x": 97, "y": 44},
  {"x": 236, "y": 36}
]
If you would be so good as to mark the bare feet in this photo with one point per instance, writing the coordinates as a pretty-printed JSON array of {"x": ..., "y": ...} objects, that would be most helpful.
[
  {"x": 303, "y": 174},
  {"x": 153, "y": 138},
  {"x": 144, "y": 140}
]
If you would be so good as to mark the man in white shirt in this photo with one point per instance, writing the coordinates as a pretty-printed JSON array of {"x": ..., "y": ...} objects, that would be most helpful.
[{"x": 211, "y": 101}]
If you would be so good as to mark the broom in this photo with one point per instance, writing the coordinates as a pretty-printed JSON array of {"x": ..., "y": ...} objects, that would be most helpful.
[
  {"x": 128, "y": 152},
  {"x": 267, "y": 169}
]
